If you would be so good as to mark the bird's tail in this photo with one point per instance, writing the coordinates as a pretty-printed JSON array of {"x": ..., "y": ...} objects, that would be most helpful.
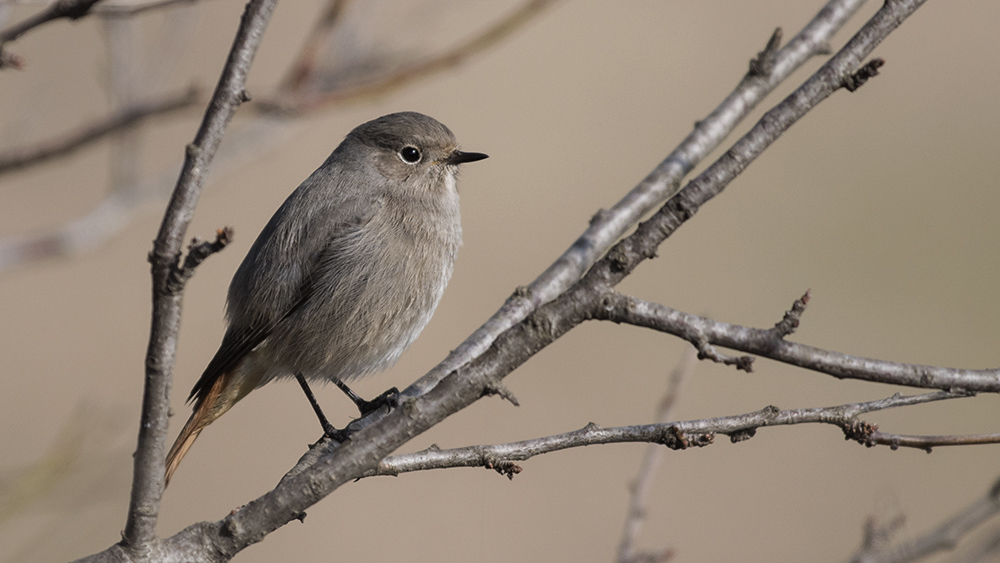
[{"x": 219, "y": 399}]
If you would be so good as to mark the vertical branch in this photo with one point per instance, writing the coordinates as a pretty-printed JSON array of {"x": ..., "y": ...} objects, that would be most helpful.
[
  {"x": 650, "y": 463},
  {"x": 147, "y": 480}
]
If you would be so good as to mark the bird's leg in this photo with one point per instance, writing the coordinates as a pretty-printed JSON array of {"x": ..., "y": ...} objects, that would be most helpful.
[
  {"x": 388, "y": 399},
  {"x": 328, "y": 428}
]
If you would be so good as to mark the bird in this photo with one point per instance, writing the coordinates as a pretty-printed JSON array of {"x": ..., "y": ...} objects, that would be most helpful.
[{"x": 346, "y": 273}]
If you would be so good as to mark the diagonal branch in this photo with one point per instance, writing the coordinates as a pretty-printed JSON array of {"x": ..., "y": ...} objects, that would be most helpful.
[
  {"x": 70, "y": 9},
  {"x": 134, "y": 9},
  {"x": 943, "y": 537},
  {"x": 65, "y": 145},
  {"x": 651, "y": 459},
  {"x": 608, "y": 226},
  {"x": 297, "y": 99}
]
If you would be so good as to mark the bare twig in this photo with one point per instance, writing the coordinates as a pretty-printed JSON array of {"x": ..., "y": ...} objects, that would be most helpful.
[
  {"x": 198, "y": 251},
  {"x": 608, "y": 226},
  {"x": 986, "y": 548},
  {"x": 946, "y": 536},
  {"x": 793, "y": 316},
  {"x": 70, "y": 9},
  {"x": 305, "y": 63},
  {"x": 640, "y": 487},
  {"x": 896, "y": 441},
  {"x": 673, "y": 435},
  {"x": 297, "y": 99},
  {"x": 130, "y": 10},
  {"x": 147, "y": 481},
  {"x": 767, "y": 343},
  {"x": 67, "y": 144}
]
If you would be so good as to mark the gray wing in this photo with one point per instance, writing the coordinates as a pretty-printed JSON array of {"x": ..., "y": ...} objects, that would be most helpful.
[{"x": 276, "y": 278}]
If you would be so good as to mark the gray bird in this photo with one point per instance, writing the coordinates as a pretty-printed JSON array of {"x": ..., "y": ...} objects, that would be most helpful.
[{"x": 346, "y": 273}]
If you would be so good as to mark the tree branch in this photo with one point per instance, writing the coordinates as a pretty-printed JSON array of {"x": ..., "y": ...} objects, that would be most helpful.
[
  {"x": 673, "y": 435},
  {"x": 130, "y": 10},
  {"x": 945, "y": 536},
  {"x": 70, "y": 9},
  {"x": 927, "y": 443},
  {"x": 651, "y": 459},
  {"x": 65, "y": 145},
  {"x": 608, "y": 226},
  {"x": 768, "y": 343},
  {"x": 147, "y": 481},
  {"x": 296, "y": 99}
]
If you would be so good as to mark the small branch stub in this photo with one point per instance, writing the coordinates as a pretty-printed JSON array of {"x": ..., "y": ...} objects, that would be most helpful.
[
  {"x": 498, "y": 388},
  {"x": 504, "y": 467},
  {"x": 198, "y": 251},
  {"x": 764, "y": 63},
  {"x": 858, "y": 79},
  {"x": 790, "y": 321},
  {"x": 861, "y": 432},
  {"x": 675, "y": 439}
]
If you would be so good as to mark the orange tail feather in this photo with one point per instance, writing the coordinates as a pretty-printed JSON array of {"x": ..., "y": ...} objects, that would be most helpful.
[{"x": 217, "y": 401}]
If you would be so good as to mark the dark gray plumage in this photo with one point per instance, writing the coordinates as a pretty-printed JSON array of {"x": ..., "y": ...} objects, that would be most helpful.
[{"x": 346, "y": 273}]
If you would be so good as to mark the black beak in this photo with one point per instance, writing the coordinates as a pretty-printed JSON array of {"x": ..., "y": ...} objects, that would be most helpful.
[{"x": 458, "y": 157}]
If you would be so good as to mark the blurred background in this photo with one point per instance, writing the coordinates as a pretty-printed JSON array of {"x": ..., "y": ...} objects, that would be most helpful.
[{"x": 883, "y": 202}]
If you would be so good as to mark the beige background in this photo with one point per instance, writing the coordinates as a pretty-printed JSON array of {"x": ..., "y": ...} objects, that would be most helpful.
[{"x": 884, "y": 202}]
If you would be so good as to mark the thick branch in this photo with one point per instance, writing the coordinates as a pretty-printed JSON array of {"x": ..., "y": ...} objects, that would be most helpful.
[
  {"x": 608, "y": 226},
  {"x": 768, "y": 343},
  {"x": 147, "y": 481},
  {"x": 69, "y": 143}
]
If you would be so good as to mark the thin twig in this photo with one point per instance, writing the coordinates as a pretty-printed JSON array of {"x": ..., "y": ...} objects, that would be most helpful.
[
  {"x": 130, "y": 10},
  {"x": 297, "y": 99},
  {"x": 147, "y": 481},
  {"x": 305, "y": 63},
  {"x": 986, "y": 548},
  {"x": 67, "y": 144},
  {"x": 642, "y": 485},
  {"x": 945, "y": 536},
  {"x": 608, "y": 226},
  {"x": 767, "y": 343},
  {"x": 70, "y": 9},
  {"x": 927, "y": 443},
  {"x": 198, "y": 251},
  {"x": 673, "y": 435}
]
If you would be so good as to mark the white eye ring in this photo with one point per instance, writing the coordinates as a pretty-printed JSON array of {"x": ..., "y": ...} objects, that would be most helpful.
[{"x": 409, "y": 154}]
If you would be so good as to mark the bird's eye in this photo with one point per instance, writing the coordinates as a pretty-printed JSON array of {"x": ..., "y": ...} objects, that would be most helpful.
[{"x": 410, "y": 155}]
